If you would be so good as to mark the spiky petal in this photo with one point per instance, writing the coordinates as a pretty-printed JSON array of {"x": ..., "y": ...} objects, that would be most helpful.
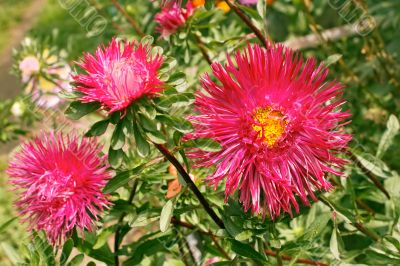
[
  {"x": 119, "y": 74},
  {"x": 279, "y": 124},
  {"x": 60, "y": 179}
]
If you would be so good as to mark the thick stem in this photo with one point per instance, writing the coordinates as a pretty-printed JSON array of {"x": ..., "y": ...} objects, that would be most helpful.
[
  {"x": 190, "y": 184},
  {"x": 131, "y": 21},
  {"x": 247, "y": 21},
  {"x": 117, "y": 237}
]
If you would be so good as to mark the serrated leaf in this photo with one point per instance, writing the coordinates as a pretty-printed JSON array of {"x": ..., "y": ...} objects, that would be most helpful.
[
  {"x": 166, "y": 215},
  {"x": 77, "y": 109},
  {"x": 98, "y": 128}
]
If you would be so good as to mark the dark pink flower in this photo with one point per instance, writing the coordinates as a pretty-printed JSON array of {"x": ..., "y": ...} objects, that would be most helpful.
[
  {"x": 172, "y": 17},
  {"x": 119, "y": 74},
  {"x": 60, "y": 178},
  {"x": 279, "y": 124}
]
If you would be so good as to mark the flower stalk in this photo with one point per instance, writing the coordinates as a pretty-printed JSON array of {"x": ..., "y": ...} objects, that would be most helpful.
[
  {"x": 190, "y": 184},
  {"x": 247, "y": 21}
]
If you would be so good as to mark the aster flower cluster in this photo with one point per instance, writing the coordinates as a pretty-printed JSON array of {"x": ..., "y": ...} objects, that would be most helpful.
[
  {"x": 279, "y": 123},
  {"x": 60, "y": 178},
  {"x": 44, "y": 73},
  {"x": 119, "y": 74},
  {"x": 172, "y": 17}
]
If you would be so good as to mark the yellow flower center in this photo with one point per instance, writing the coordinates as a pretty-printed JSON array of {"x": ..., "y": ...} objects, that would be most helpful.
[{"x": 269, "y": 124}]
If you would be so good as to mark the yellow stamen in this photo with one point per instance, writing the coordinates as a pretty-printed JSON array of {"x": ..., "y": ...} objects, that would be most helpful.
[{"x": 269, "y": 124}]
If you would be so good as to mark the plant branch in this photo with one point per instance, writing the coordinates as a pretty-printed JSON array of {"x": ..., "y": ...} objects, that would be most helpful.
[
  {"x": 202, "y": 49},
  {"x": 360, "y": 227},
  {"x": 267, "y": 252},
  {"x": 131, "y": 21},
  {"x": 117, "y": 237},
  {"x": 190, "y": 184},
  {"x": 247, "y": 21},
  {"x": 368, "y": 173},
  {"x": 288, "y": 258}
]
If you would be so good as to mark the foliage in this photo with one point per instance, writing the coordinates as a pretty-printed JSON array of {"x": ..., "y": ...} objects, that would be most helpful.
[{"x": 355, "y": 224}]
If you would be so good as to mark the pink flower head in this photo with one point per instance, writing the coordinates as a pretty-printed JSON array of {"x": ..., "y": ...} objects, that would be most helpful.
[
  {"x": 61, "y": 179},
  {"x": 28, "y": 66},
  {"x": 172, "y": 17},
  {"x": 279, "y": 124},
  {"x": 116, "y": 76},
  {"x": 248, "y": 2}
]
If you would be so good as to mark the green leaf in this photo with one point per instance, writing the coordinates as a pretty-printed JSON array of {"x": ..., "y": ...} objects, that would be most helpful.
[
  {"x": 334, "y": 244},
  {"x": 177, "y": 123},
  {"x": 98, "y": 128},
  {"x": 4, "y": 226},
  {"x": 243, "y": 235},
  {"x": 147, "y": 40},
  {"x": 121, "y": 179},
  {"x": 156, "y": 137},
  {"x": 77, "y": 260},
  {"x": 316, "y": 228},
  {"x": 332, "y": 59},
  {"x": 204, "y": 144},
  {"x": 142, "y": 145},
  {"x": 147, "y": 123},
  {"x": 175, "y": 100},
  {"x": 118, "y": 137},
  {"x": 115, "y": 157},
  {"x": 66, "y": 251},
  {"x": 103, "y": 237},
  {"x": 209, "y": 4},
  {"x": 166, "y": 215},
  {"x": 245, "y": 250},
  {"x": 392, "y": 130},
  {"x": 176, "y": 78},
  {"x": 77, "y": 109},
  {"x": 373, "y": 164}
]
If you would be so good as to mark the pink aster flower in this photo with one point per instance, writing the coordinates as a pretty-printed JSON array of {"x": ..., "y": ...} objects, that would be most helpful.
[
  {"x": 61, "y": 179},
  {"x": 119, "y": 74},
  {"x": 248, "y": 2},
  {"x": 172, "y": 17},
  {"x": 279, "y": 124}
]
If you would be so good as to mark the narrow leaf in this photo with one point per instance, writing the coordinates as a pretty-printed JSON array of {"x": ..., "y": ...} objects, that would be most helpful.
[{"x": 166, "y": 215}]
